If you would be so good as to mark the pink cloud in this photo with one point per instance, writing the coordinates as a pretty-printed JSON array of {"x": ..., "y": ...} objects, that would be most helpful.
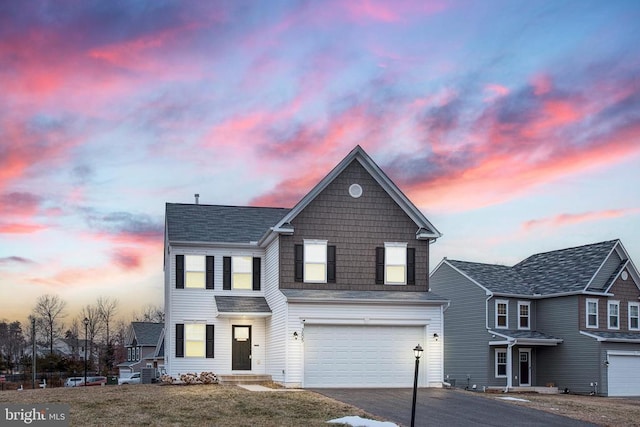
[
  {"x": 570, "y": 219},
  {"x": 18, "y": 228}
]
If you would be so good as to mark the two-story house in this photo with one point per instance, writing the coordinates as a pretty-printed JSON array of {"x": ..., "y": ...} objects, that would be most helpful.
[
  {"x": 333, "y": 292},
  {"x": 568, "y": 317},
  {"x": 144, "y": 347}
]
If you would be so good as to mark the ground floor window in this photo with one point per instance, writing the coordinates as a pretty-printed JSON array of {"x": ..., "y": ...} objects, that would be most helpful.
[{"x": 501, "y": 363}]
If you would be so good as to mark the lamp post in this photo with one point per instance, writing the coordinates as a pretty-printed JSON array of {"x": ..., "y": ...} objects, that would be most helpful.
[
  {"x": 86, "y": 324},
  {"x": 33, "y": 354},
  {"x": 417, "y": 351}
]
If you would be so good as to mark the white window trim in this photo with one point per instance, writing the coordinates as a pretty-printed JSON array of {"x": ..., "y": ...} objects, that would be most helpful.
[
  {"x": 204, "y": 340},
  {"x": 203, "y": 271},
  {"x": 609, "y": 305},
  {"x": 304, "y": 261},
  {"x": 386, "y": 262},
  {"x": 250, "y": 273},
  {"x": 633, "y": 304},
  {"x": 586, "y": 308},
  {"x": 528, "y": 305},
  {"x": 506, "y": 302},
  {"x": 495, "y": 369}
]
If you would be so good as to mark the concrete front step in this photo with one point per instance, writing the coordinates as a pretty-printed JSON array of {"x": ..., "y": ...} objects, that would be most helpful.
[{"x": 243, "y": 379}]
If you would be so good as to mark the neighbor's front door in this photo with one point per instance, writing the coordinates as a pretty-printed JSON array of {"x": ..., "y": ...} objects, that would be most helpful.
[
  {"x": 525, "y": 367},
  {"x": 241, "y": 348}
]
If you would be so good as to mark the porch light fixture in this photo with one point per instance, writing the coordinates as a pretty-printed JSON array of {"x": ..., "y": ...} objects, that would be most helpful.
[
  {"x": 295, "y": 335},
  {"x": 417, "y": 352},
  {"x": 435, "y": 337}
]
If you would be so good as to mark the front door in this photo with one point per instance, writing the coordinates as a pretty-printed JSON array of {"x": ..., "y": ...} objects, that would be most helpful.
[
  {"x": 241, "y": 348},
  {"x": 525, "y": 367}
]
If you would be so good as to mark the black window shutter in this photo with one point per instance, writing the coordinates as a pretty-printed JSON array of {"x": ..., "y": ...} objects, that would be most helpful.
[
  {"x": 411, "y": 266},
  {"x": 179, "y": 339},
  {"x": 209, "y": 341},
  {"x": 256, "y": 274},
  {"x": 299, "y": 260},
  {"x": 331, "y": 264},
  {"x": 179, "y": 271},
  {"x": 380, "y": 266},
  {"x": 226, "y": 273},
  {"x": 209, "y": 280}
]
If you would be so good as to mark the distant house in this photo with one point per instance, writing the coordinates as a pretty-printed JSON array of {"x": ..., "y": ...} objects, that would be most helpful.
[
  {"x": 144, "y": 346},
  {"x": 68, "y": 347},
  {"x": 569, "y": 317},
  {"x": 331, "y": 293}
]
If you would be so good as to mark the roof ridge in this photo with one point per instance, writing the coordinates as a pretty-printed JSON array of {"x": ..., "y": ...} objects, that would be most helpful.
[
  {"x": 226, "y": 206},
  {"x": 568, "y": 249}
]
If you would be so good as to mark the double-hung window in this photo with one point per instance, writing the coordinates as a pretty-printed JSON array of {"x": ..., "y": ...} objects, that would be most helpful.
[
  {"x": 501, "y": 363},
  {"x": 634, "y": 316},
  {"x": 592, "y": 313},
  {"x": 194, "y": 271},
  {"x": 194, "y": 340},
  {"x": 241, "y": 272},
  {"x": 524, "y": 315},
  {"x": 395, "y": 264},
  {"x": 315, "y": 262},
  {"x": 502, "y": 314},
  {"x": 614, "y": 314}
]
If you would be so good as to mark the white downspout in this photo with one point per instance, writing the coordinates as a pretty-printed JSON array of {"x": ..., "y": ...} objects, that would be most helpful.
[{"x": 509, "y": 363}]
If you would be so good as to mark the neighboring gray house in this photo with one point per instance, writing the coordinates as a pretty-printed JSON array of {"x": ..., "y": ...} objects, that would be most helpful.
[
  {"x": 333, "y": 292},
  {"x": 144, "y": 346},
  {"x": 568, "y": 318}
]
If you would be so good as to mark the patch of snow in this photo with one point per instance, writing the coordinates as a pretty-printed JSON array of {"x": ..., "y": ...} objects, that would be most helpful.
[
  {"x": 362, "y": 422},
  {"x": 517, "y": 399}
]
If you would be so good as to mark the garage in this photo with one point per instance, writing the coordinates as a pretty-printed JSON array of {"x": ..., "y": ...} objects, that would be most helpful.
[
  {"x": 360, "y": 356},
  {"x": 624, "y": 374}
]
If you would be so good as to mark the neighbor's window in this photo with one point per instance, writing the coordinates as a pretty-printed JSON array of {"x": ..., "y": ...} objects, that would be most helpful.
[
  {"x": 194, "y": 339},
  {"x": 592, "y": 313},
  {"x": 501, "y": 363},
  {"x": 395, "y": 260},
  {"x": 315, "y": 261},
  {"x": 194, "y": 271},
  {"x": 614, "y": 314},
  {"x": 241, "y": 272},
  {"x": 634, "y": 316},
  {"x": 502, "y": 314},
  {"x": 524, "y": 309}
]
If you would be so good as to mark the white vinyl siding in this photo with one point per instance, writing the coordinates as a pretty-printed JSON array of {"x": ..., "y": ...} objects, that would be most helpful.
[{"x": 592, "y": 313}]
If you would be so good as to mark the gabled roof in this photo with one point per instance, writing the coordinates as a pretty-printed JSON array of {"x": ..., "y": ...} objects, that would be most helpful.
[
  {"x": 564, "y": 271},
  {"x": 221, "y": 224},
  {"x": 145, "y": 333},
  {"x": 425, "y": 230}
]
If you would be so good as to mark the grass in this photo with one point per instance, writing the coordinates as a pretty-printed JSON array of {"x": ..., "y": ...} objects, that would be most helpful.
[{"x": 202, "y": 405}]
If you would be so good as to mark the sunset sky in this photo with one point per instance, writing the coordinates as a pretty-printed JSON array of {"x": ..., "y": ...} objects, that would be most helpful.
[{"x": 513, "y": 125}]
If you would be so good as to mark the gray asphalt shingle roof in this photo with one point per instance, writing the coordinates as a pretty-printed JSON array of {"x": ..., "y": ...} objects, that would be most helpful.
[
  {"x": 147, "y": 333},
  {"x": 242, "y": 304},
  {"x": 564, "y": 270},
  {"x": 216, "y": 223},
  {"x": 321, "y": 295},
  {"x": 518, "y": 334}
]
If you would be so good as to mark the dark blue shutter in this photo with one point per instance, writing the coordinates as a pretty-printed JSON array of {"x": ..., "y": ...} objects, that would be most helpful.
[
  {"x": 179, "y": 271},
  {"x": 299, "y": 260},
  {"x": 411, "y": 266},
  {"x": 209, "y": 279},
  {"x": 331, "y": 264},
  {"x": 380, "y": 266},
  {"x": 179, "y": 340},
  {"x": 256, "y": 274},
  {"x": 226, "y": 273},
  {"x": 209, "y": 351}
]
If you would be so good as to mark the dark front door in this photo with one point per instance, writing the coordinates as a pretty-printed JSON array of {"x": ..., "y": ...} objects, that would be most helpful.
[
  {"x": 241, "y": 348},
  {"x": 525, "y": 367}
]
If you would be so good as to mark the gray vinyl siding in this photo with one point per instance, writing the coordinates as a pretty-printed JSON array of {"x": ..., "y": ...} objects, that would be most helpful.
[
  {"x": 574, "y": 363},
  {"x": 356, "y": 227},
  {"x": 466, "y": 349}
]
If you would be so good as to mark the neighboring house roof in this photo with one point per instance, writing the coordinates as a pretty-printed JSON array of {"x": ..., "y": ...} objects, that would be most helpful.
[
  {"x": 609, "y": 336},
  {"x": 524, "y": 337},
  {"x": 425, "y": 230},
  {"x": 237, "y": 305},
  {"x": 221, "y": 224},
  {"x": 310, "y": 295},
  {"x": 145, "y": 333},
  {"x": 563, "y": 271}
]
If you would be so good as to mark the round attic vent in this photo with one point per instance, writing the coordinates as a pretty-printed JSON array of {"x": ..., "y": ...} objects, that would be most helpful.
[
  {"x": 624, "y": 275},
  {"x": 355, "y": 190}
]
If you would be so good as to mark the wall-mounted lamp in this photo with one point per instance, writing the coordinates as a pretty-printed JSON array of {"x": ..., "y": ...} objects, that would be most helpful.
[
  {"x": 295, "y": 335},
  {"x": 606, "y": 363},
  {"x": 435, "y": 337}
]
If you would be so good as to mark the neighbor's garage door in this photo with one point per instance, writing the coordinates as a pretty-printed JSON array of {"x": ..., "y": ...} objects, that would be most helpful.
[
  {"x": 360, "y": 356},
  {"x": 624, "y": 375}
]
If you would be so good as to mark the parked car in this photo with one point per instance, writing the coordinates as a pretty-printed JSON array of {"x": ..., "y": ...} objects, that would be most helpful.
[
  {"x": 73, "y": 381},
  {"x": 94, "y": 381},
  {"x": 132, "y": 379}
]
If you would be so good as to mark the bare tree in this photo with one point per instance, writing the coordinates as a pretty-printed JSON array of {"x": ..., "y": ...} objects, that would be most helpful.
[
  {"x": 107, "y": 308},
  {"x": 49, "y": 311},
  {"x": 151, "y": 313},
  {"x": 12, "y": 343}
]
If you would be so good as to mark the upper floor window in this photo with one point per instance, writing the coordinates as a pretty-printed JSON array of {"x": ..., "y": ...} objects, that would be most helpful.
[
  {"x": 315, "y": 262},
  {"x": 241, "y": 272},
  {"x": 614, "y": 314},
  {"x": 524, "y": 309},
  {"x": 502, "y": 314},
  {"x": 501, "y": 363},
  {"x": 194, "y": 271},
  {"x": 592, "y": 313},
  {"x": 634, "y": 316},
  {"x": 395, "y": 264}
]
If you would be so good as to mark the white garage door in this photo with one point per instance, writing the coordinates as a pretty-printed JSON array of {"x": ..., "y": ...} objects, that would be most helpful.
[
  {"x": 360, "y": 356},
  {"x": 624, "y": 375}
]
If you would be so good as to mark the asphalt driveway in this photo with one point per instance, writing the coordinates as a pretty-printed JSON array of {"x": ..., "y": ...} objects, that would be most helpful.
[{"x": 439, "y": 407}]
